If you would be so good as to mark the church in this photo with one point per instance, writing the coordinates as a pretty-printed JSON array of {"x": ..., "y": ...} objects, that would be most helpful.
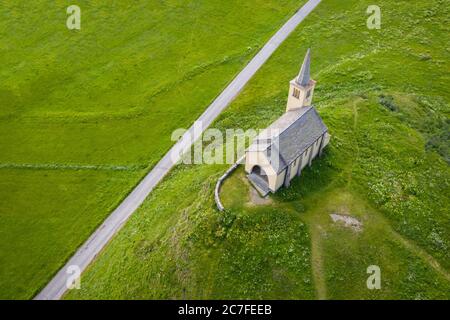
[{"x": 281, "y": 151}]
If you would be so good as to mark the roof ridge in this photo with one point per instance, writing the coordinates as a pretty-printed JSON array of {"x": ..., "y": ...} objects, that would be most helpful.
[
  {"x": 312, "y": 115},
  {"x": 279, "y": 154},
  {"x": 287, "y": 127},
  {"x": 293, "y": 122}
]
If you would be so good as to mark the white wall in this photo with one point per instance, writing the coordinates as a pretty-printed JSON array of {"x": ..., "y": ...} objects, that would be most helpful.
[{"x": 259, "y": 158}]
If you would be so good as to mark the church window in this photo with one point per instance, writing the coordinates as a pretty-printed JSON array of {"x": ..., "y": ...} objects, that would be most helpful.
[{"x": 296, "y": 93}]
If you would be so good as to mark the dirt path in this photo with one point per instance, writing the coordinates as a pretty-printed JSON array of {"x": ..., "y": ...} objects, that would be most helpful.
[
  {"x": 355, "y": 126},
  {"x": 317, "y": 263},
  {"x": 411, "y": 246}
]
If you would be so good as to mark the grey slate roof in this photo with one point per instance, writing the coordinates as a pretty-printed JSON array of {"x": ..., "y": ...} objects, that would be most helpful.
[
  {"x": 298, "y": 130},
  {"x": 304, "y": 76}
]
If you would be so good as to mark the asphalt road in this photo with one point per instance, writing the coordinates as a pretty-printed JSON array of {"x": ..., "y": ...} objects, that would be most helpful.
[{"x": 97, "y": 241}]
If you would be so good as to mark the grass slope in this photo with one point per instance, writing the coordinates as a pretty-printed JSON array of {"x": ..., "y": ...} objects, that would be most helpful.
[
  {"x": 384, "y": 96},
  {"x": 84, "y": 114}
]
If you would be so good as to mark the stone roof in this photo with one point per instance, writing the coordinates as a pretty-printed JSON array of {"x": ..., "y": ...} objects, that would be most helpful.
[
  {"x": 293, "y": 133},
  {"x": 304, "y": 76}
]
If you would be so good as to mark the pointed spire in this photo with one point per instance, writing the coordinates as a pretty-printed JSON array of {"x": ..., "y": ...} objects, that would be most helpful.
[{"x": 304, "y": 75}]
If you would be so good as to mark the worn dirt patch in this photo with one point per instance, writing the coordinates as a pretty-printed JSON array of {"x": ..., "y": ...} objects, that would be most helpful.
[
  {"x": 255, "y": 197},
  {"x": 348, "y": 221}
]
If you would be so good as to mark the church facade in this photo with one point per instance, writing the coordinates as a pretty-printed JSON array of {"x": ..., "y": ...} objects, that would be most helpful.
[{"x": 281, "y": 151}]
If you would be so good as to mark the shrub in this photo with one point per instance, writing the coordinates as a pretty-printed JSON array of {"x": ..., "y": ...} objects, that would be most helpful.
[{"x": 388, "y": 102}]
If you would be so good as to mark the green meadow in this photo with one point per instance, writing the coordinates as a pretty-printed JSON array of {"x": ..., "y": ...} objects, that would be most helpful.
[
  {"x": 84, "y": 114},
  {"x": 384, "y": 97}
]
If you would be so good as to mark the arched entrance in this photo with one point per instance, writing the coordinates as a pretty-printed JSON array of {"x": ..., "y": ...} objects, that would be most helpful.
[
  {"x": 260, "y": 173},
  {"x": 259, "y": 180}
]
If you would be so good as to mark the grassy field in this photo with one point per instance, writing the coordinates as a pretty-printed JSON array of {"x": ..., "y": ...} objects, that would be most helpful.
[
  {"x": 85, "y": 114},
  {"x": 384, "y": 96}
]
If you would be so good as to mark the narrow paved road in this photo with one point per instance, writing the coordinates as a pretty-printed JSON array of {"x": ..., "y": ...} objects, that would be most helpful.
[{"x": 97, "y": 241}]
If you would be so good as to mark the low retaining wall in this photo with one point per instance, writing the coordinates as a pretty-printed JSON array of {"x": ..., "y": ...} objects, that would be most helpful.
[{"x": 221, "y": 180}]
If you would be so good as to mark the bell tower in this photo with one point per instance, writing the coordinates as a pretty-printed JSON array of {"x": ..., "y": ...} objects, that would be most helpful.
[{"x": 302, "y": 87}]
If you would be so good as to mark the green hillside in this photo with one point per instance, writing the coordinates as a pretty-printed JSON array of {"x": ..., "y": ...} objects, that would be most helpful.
[
  {"x": 85, "y": 114},
  {"x": 384, "y": 96}
]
